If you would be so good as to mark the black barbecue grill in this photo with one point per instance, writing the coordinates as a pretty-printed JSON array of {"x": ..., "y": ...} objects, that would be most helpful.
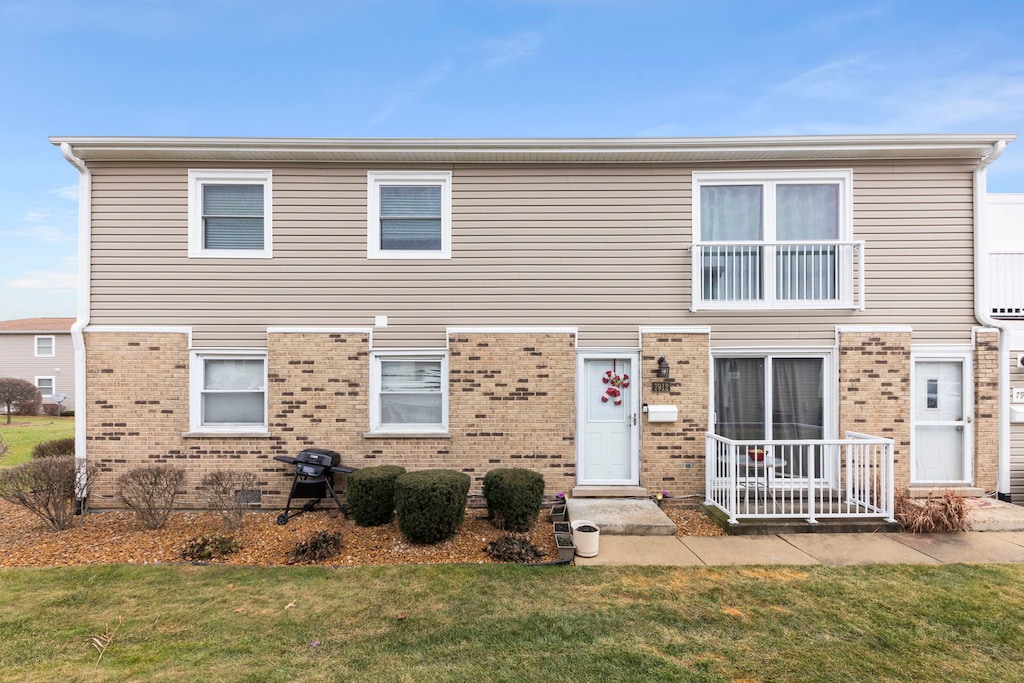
[{"x": 314, "y": 478}]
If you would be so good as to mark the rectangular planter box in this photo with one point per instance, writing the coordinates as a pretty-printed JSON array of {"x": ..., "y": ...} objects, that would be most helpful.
[
  {"x": 562, "y": 527},
  {"x": 558, "y": 512},
  {"x": 567, "y": 551}
]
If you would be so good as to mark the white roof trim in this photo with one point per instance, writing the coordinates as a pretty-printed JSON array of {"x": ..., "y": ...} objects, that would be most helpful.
[{"x": 976, "y": 147}]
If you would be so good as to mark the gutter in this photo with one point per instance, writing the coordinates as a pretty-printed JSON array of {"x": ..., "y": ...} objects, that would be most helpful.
[
  {"x": 984, "y": 314},
  {"x": 82, "y": 314}
]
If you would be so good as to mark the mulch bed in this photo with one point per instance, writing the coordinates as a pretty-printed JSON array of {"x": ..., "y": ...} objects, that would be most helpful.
[{"x": 119, "y": 538}]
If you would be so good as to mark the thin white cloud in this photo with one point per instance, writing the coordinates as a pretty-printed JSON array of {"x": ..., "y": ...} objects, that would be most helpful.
[
  {"x": 69, "y": 192},
  {"x": 43, "y": 225},
  {"x": 511, "y": 50},
  {"x": 407, "y": 93},
  {"x": 41, "y": 279}
]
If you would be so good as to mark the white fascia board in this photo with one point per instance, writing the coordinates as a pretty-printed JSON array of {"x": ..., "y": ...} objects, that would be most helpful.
[
  {"x": 853, "y": 329},
  {"x": 319, "y": 330},
  {"x": 512, "y": 330}
]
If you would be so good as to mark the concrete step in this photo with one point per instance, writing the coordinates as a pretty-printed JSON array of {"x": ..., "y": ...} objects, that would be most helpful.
[
  {"x": 622, "y": 516},
  {"x": 609, "y": 492},
  {"x": 765, "y": 527}
]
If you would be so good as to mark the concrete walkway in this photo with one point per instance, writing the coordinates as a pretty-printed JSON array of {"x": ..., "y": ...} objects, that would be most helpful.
[{"x": 979, "y": 547}]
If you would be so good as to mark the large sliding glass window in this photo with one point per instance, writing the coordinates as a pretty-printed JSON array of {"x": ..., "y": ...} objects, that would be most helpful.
[{"x": 774, "y": 398}]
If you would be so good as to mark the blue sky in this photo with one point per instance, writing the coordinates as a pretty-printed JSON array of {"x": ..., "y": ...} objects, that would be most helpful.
[{"x": 485, "y": 68}]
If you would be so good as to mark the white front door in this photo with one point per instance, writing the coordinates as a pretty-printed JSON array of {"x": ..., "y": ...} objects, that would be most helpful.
[
  {"x": 609, "y": 444},
  {"x": 942, "y": 423}
]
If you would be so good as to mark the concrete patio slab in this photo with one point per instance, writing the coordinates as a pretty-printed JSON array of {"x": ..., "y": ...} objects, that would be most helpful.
[
  {"x": 971, "y": 547},
  {"x": 1015, "y": 537},
  {"x": 849, "y": 549},
  {"x": 989, "y": 514},
  {"x": 736, "y": 550},
  {"x": 641, "y": 550},
  {"x": 622, "y": 516}
]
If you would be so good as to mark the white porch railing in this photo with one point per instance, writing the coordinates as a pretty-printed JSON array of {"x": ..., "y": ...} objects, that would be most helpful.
[
  {"x": 1006, "y": 286},
  {"x": 812, "y": 479},
  {"x": 790, "y": 274}
]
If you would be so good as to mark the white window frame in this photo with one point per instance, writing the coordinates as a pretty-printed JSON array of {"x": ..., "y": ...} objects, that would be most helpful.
[
  {"x": 374, "y": 180},
  {"x": 769, "y": 180},
  {"x": 53, "y": 346},
  {"x": 830, "y": 391},
  {"x": 53, "y": 385},
  {"x": 197, "y": 375},
  {"x": 197, "y": 179},
  {"x": 376, "y": 427}
]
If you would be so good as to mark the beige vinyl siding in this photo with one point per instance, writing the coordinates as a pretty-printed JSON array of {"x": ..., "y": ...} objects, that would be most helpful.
[{"x": 600, "y": 247}]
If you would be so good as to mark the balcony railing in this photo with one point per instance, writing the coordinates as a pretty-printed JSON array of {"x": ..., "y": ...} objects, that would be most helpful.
[
  {"x": 849, "y": 478},
  {"x": 773, "y": 274},
  {"x": 1006, "y": 286}
]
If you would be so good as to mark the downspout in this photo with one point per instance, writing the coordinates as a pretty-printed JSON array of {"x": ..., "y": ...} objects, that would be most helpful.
[
  {"x": 82, "y": 315},
  {"x": 983, "y": 312}
]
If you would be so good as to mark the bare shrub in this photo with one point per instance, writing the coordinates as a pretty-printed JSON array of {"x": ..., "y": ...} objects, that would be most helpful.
[
  {"x": 150, "y": 491},
  {"x": 48, "y": 449},
  {"x": 19, "y": 397},
  {"x": 3, "y": 446},
  {"x": 934, "y": 515},
  {"x": 48, "y": 488},
  {"x": 229, "y": 492}
]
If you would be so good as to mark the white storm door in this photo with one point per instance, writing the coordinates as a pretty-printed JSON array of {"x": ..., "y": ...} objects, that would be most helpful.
[
  {"x": 942, "y": 423},
  {"x": 608, "y": 446}
]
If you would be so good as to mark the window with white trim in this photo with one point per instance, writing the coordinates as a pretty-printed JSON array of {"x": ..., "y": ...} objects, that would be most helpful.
[
  {"x": 230, "y": 214},
  {"x": 45, "y": 346},
  {"x": 45, "y": 386},
  {"x": 409, "y": 215},
  {"x": 228, "y": 391},
  {"x": 774, "y": 239},
  {"x": 409, "y": 392}
]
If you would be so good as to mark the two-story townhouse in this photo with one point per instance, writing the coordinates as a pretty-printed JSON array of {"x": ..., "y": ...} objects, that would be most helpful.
[
  {"x": 1001, "y": 301},
  {"x": 39, "y": 350},
  {"x": 622, "y": 315}
]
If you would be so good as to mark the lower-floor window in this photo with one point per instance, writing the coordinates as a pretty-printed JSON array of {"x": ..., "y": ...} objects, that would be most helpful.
[
  {"x": 410, "y": 392},
  {"x": 45, "y": 385},
  {"x": 229, "y": 391},
  {"x": 774, "y": 398}
]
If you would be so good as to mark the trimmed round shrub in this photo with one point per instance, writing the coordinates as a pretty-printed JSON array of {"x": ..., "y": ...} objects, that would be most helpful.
[
  {"x": 48, "y": 449},
  {"x": 514, "y": 497},
  {"x": 371, "y": 494},
  {"x": 431, "y": 504}
]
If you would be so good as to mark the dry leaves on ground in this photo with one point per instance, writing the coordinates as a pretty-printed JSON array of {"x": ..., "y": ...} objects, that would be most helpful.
[{"x": 119, "y": 538}]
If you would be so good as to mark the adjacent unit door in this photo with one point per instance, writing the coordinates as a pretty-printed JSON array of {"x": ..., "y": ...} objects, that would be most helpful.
[
  {"x": 942, "y": 423},
  {"x": 608, "y": 447}
]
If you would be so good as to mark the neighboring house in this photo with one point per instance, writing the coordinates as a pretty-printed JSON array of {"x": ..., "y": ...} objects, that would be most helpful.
[
  {"x": 778, "y": 325},
  {"x": 1001, "y": 297},
  {"x": 39, "y": 351}
]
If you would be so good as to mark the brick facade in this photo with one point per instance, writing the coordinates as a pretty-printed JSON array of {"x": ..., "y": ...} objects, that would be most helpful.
[
  {"x": 874, "y": 391},
  {"x": 986, "y": 409},
  {"x": 672, "y": 453}
]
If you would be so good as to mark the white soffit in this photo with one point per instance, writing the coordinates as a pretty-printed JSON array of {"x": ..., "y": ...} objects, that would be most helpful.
[{"x": 512, "y": 150}]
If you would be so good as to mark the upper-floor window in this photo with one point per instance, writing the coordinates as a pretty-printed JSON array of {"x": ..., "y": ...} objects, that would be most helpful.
[
  {"x": 779, "y": 238},
  {"x": 45, "y": 346},
  {"x": 409, "y": 214},
  {"x": 229, "y": 214}
]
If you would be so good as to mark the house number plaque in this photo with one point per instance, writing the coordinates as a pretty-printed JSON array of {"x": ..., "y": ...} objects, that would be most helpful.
[
  {"x": 1018, "y": 394},
  {"x": 661, "y": 387}
]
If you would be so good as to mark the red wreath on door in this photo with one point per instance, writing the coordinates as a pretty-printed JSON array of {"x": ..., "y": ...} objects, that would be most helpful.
[{"x": 616, "y": 383}]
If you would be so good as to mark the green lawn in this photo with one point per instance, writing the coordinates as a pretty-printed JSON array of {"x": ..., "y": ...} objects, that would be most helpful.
[
  {"x": 507, "y": 623},
  {"x": 25, "y": 432}
]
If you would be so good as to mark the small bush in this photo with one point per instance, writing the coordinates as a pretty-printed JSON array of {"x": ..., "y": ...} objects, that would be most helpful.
[
  {"x": 150, "y": 491},
  {"x": 946, "y": 514},
  {"x": 371, "y": 494},
  {"x": 430, "y": 504},
  {"x": 48, "y": 449},
  {"x": 320, "y": 546},
  {"x": 514, "y": 497},
  {"x": 229, "y": 492},
  {"x": 48, "y": 488},
  {"x": 510, "y": 548},
  {"x": 3, "y": 446},
  {"x": 209, "y": 547}
]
